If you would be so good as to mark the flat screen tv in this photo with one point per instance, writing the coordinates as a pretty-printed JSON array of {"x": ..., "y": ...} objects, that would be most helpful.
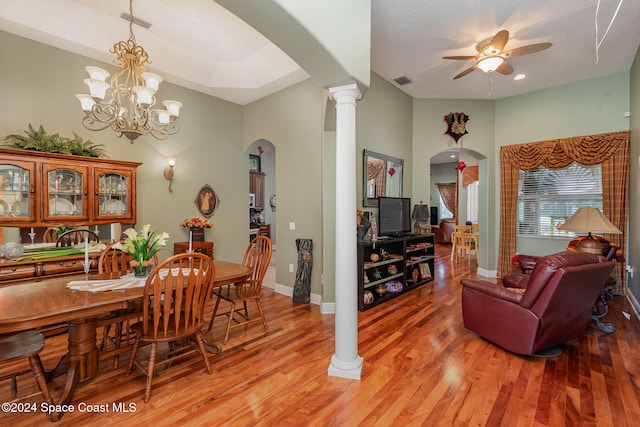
[{"x": 394, "y": 216}]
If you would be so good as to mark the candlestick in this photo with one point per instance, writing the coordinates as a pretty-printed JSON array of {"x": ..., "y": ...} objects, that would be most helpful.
[
  {"x": 86, "y": 256},
  {"x": 190, "y": 241}
]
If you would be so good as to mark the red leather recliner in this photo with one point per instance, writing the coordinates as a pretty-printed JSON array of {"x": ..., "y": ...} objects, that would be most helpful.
[
  {"x": 444, "y": 230},
  {"x": 554, "y": 306}
]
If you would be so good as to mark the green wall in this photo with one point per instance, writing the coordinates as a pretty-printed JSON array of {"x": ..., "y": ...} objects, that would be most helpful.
[{"x": 292, "y": 121}]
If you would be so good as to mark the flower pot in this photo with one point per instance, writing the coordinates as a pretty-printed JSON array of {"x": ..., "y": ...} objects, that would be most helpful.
[
  {"x": 197, "y": 234},
  {"x": 141, "y": 270}
]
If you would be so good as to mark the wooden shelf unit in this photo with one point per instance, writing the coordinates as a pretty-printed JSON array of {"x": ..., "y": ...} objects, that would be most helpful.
[{"x": 408, "y": 260}]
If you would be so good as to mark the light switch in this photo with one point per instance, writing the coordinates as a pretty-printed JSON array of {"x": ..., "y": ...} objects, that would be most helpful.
[
  {"x": 292, "y": 226},
  {"x": 290, "y": 268}
]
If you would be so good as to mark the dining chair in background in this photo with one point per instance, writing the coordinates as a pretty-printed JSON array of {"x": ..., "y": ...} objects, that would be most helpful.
[
  {"x": 173, "y": 304},
  {"x": 25, "y": 345},
  {"x": 464, "y": 242},
  {"x": 76, "y": 236},
  {"x": 116, "y": 262},
  {"x": 49, "y": 235},
  {"x": 257, "y": 256}
]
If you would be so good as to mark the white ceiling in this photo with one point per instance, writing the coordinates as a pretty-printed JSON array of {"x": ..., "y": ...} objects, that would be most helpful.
[{"x": 199, "y": 45}]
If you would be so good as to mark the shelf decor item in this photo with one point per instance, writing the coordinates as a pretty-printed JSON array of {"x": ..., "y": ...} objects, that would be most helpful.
[
  {"x": 142, "y": 247},
  {"x": 425, "y": 271},
  {"x": 196, "y": 226}
]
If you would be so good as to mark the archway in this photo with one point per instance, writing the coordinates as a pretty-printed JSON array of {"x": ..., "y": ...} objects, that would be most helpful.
[{"x": 261, "y": 156}]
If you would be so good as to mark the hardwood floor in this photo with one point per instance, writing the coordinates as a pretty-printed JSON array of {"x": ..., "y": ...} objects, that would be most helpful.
[{"x": 421, "y": 367}]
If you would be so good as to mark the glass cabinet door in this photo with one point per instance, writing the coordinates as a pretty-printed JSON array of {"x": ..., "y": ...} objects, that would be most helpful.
[
  {"x": 17, "y": 191},
  {"x": 114, "y": 191},
  {"x": 65, "y": 190}
]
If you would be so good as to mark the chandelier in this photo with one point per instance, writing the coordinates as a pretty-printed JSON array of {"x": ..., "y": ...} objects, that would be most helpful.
[{"x": 126, "y": 103}]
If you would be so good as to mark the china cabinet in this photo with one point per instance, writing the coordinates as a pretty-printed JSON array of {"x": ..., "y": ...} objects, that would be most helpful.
[
  {"x": 42, "y": 189},
  {"x": 390, "y": 267},
  {"x": 256, "y": 186}
]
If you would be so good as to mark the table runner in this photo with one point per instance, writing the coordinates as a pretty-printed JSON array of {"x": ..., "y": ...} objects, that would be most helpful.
[{"x": 127, "y": 281}]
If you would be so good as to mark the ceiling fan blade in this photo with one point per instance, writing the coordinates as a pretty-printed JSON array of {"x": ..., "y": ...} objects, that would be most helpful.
[
  {"x": 527, "y": 50},
  {"x": 505, "y": 68},
  {"x": 500, "y": 40},
  {"x": 464, "y": 58},
  {"x": 465, "y": 72}
]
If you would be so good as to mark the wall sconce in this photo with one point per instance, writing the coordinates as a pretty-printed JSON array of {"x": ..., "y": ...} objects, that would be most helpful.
[{"x": 168, "y": 172}]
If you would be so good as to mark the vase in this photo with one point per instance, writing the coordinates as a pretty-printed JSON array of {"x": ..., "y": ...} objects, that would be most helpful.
[
  {"x": 142, "y": 270},
  {"x": 197, "y": 234}
]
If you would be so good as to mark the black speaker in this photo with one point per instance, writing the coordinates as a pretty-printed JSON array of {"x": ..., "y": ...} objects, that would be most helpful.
[{"x": 434, "y": 215}]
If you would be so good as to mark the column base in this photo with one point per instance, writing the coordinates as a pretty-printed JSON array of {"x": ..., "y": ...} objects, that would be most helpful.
[{"x": 350, "y": 370}]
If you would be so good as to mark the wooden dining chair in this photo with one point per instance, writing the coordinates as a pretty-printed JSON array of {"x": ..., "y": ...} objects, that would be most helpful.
[
  {"x": 49, "y": 235},
  {"x": 463, "y": 242},
  {"x": 75, "y": 237},
  {"x": 116, "y": 262},
  {"x": 175, "y": 294},
  {"x": 25, "y": 345},
  {"x": 257, "y": 256}
]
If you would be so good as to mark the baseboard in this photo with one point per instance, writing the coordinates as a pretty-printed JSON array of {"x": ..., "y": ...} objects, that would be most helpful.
[
  {"x": 487, "y": 273},
  {"x": 288, "y": 291},
  {"x": 634, "y": 302}
]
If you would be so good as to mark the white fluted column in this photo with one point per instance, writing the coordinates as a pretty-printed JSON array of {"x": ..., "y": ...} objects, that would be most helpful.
[{"x": 346, "y": 362}]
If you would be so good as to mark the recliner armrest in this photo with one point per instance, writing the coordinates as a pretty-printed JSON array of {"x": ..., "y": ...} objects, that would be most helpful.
[
  {"x": 527, "y": 262},
  {"x": 493, "y": 290}
]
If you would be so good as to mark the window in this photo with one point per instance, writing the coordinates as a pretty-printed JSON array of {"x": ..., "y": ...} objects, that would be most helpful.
[
  {"x": 547, "y": 197},
  {"x": 444, "y": 212}
]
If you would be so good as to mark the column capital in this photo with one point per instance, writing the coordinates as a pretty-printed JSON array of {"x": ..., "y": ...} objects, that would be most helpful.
[{"x": 350, "y": 90}]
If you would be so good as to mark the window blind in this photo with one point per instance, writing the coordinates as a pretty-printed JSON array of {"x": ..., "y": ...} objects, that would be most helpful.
[{"x": 547, "y": 197}]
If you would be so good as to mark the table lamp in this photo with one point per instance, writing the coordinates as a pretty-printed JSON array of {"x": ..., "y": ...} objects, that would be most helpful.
[
  {"x": 589, "y": 220},
  {"x": 421, "y": 215}
]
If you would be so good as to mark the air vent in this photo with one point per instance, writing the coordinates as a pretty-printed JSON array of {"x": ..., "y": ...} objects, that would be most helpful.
[
  {"x": 402, "y": 80},
  {"x": 137, "y": 21}
]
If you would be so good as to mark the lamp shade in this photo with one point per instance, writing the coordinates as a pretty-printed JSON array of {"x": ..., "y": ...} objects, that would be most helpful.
[
  {"x": 490, "y": 63},
  {"x": 420, "y": 211},
  {"x": 589, "y": 220}
]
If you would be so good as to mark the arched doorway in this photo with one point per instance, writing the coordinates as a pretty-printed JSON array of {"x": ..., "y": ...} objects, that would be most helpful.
[{"x": 262, "y": 197}]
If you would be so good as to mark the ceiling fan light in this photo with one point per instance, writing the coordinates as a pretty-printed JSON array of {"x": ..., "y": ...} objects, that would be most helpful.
[{"x": 490, "y": 64}]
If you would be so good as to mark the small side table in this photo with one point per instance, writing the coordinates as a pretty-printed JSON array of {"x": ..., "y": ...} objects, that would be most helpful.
[{"x": 202, "y": 247}]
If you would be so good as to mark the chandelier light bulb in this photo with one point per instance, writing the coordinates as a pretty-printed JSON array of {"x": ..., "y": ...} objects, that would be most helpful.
[
  {"x": 144, "y": 95},
  {"x": 152, "y": 80},
  {"x": 97, "y": 73},
  {"x": 163, "y": 117},
  {"x": 97, "y": 89},
  {"x": 173, "y": 107},
  {"x": 86, "y": 102}
]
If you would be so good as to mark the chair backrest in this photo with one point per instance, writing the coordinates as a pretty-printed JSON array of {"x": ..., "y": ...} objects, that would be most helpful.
[
  {"x": 257, "y": 256},
  {"x": 114, "y": 260},
  {"x": 49, "y": 235},
  {"x": 565, "y": 305},
  {"x": 546, "y": 267},
  {"x": 463, "y": 236},
  {"x": 74, "y": 237},
  {"x": 175, "y": 294}
]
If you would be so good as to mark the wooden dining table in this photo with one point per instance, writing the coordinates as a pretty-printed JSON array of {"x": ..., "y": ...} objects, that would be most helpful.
[{"x": 36, "y": 304}]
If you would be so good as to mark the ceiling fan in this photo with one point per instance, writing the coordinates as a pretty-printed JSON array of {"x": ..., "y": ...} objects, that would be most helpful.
[{"x": 492, "y": 56}]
